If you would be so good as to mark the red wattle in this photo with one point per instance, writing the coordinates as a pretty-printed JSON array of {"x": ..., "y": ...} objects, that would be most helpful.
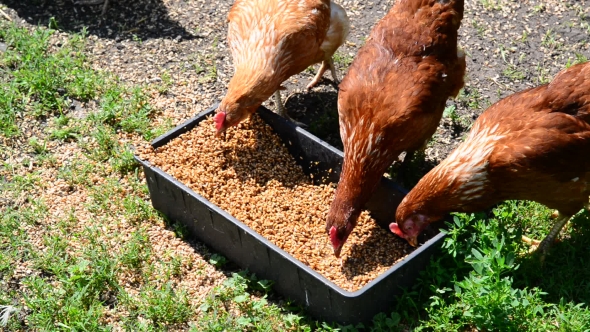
[
  {"x": 219, "y": 120},
  {"x": 334, "y": 237},
  {"x": 394, "y": 228}
]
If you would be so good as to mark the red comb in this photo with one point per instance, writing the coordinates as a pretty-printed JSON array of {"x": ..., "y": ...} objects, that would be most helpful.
[
  {"x": 334, "y": 237},
  {"x": 394, "y": 228},
  {"x": 219, "y": 120}
]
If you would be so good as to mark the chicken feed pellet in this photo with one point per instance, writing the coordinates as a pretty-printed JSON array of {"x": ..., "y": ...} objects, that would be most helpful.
[{"x": 252, "y": 176}]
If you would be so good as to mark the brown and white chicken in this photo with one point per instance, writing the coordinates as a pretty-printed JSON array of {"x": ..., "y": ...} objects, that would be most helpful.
[
  {"x": 392, "y": 99},
  {"x": 272, "y": 40},
  {"x": 533, "y": 145}
]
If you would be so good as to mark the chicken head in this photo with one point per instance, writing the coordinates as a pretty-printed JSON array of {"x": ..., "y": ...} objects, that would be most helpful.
[
  {"x": 410, "y": 228},
  {"x": 232, "y": 113}
]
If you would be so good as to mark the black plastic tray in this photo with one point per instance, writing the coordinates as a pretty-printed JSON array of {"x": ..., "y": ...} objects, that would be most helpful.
[{"x": 293, "y": 279}]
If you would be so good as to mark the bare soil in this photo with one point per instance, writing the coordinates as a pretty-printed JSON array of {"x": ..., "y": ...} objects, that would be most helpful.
[{"x": 511, "y": 46}]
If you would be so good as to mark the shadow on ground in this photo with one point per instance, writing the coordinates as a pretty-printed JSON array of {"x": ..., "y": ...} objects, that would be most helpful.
[
  {"x": 318, "y": 110},
  {"x": 143, "y": 19}
]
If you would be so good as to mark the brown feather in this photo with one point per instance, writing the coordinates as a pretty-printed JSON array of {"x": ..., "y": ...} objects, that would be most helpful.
[
  {"x": 271, "y": 40},
  {"x": 393, "y": 96},
  {"x": 533, "y": 145}
]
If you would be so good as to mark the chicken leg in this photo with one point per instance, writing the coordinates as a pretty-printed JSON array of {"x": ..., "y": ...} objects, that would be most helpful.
[
  {"x": 325, "y": 65},
  {"x": 535, "y": 243},
  {"x": 544, "y": 245},
  {"x": 95, "y": 2},
  {"x": 282, "y": 111},
  {"x": 559, "y": 226}
]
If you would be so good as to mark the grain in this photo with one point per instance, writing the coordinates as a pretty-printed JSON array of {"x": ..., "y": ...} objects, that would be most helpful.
[{"x": 252, "y": 176}]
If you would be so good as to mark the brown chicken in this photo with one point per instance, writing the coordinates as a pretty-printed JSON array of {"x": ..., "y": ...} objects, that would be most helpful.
[
  {"x": 533, "y": 145},
  {"x": 392, "y": 99},
  {"x": 271, "y": 40}
]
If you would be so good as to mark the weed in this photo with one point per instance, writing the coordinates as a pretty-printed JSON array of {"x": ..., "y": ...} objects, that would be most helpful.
[
  {"x": 137, "y": 209},
  {"x": 471, "y": 98},
  {"x": 457, "y": 121},
  {"x": 63, "y": 131},
  {"x": 542, "y": 74},
  {"x": 539, "y": 8},
  {"x": 105, "y": 138},
  {"x": 490, "y": 4},
  {"x": 124, "y": 161},
  {"x": 208, "y": 65},
  {"x": 211, "y": 73},
  {"x": 217, "y": 260},
  {"x": 478, "y": 27},
  {"x": 78, "y": 172},
  {"x": 513, "y": 73},
  {"x": 136, "y": 250},
  {"x": 125, "y": 109},
  {"x": 477, "y": 283},
  {"x": 136, "y": 39},
  {"x": 166, "y": 82},
  {"x": 344, "y": 60},
  {"x": 163, "y": 306},
  {"x": 39, "y": 80},
  {"x": 524, "y": 37},
  {"x": 76, "y": 301},
  {"x": 38, "y": 147},
  {"x": 549, "y": 40},
  {"x": 382, "y": 322},
  {"x": 254, "y": 313},
  {"x": 580, "y": 58}
]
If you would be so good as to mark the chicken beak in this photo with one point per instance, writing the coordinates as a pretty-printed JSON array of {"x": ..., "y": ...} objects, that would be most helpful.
[
  {"x": 222, "y": 134},
  {"x": 337, "y": 251},
  {"x": 413, "y": 241}
]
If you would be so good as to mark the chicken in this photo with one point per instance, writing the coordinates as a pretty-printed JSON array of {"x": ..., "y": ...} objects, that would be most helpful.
[
  {"x": 272, "y": 40},
  {"x": 392, "y": 99},
  {"x": 533, "y": 145}
]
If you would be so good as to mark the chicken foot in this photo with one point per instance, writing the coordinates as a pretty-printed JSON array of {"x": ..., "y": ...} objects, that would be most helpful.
[
  {"x": 95, "y": 2},
  {"x": 535, "y": 244},
  {"x": 325, "y": 65},
  {"x": 550, "y": 238},
  {"x": 281, "y": 108},
  {"x": 532, "y": 242}
]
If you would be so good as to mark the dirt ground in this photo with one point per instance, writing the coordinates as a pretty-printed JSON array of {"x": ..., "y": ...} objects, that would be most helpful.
[{"x": 510, "y": 46}]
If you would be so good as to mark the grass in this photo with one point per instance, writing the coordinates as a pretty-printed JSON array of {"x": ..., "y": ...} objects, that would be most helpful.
[
  {"x": 37, "y": 81},
  {"x": 479, "y": 27},
  {"x": 342, "y": 60},
  {"x": 513, "y": 73},
  {"x": 457, "y": 121},
  {"x": 62, "y": 271},
  {"x": 471, "y": 97},
  {"x": 491, "y": 4},
  {"x": 543, "y": 76},
  {"x": 549, "y": 40}
]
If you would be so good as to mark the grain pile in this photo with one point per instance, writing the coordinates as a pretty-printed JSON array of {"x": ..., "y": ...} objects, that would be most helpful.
[{"x": 253, "y": 177}]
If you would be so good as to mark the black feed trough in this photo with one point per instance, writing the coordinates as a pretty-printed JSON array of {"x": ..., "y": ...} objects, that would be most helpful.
[{"x": 293, "y": 279}]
